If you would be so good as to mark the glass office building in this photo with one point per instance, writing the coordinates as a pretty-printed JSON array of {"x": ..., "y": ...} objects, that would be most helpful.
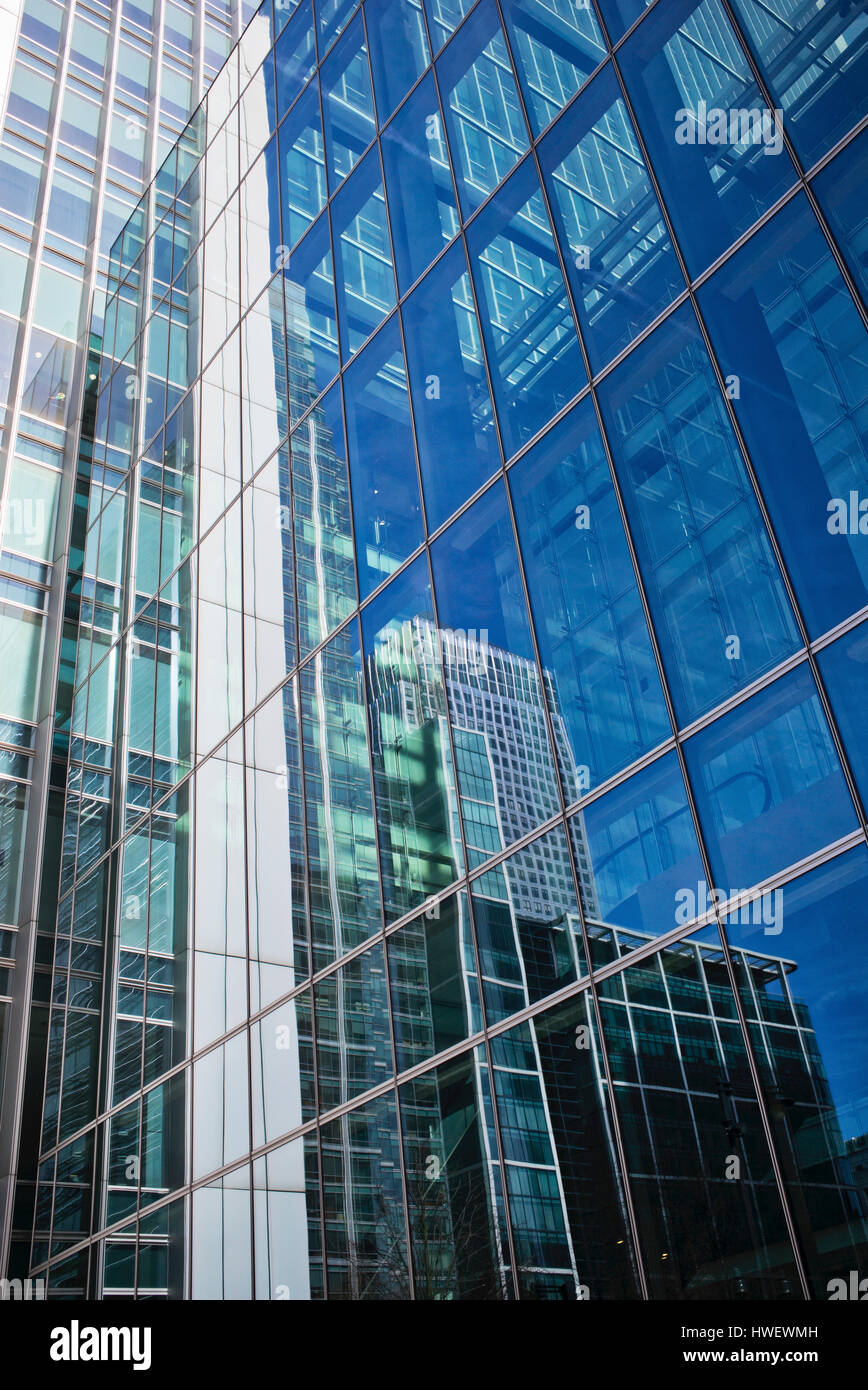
[
  {"x": 463, "y": 877},
  {"x": 93, "y": 96}
]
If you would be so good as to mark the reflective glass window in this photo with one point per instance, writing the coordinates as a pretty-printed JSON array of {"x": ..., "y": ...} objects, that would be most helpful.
[
  {"x": 527, "y": 326},
  {"x": 399, "y": 50},
  {"x": 353, "y": 1048},
  {"x": 487, "y": 133},
  {"x": 554, "y": 50},
  {"x": 815, "y": 62},
  {"x": 528, "y": 926},
  {"x": 302, "y": 166},
  {"x": 414, "y": 780},
  {"x": 840, "y": 188},
  {"x": 363, "y": 256},
  {"x": 496, "y": 702},
  {"x": 621, "y": 266},
  {"x": 458, "y": 1236},
  {"x": 342, "y": 872},
  {"x": 348, "y": 103},
  {"x": 563, "y": 1180},
  {"x": 418, "y": 183},
  {"x": 789, "y": 337},
  {"x": 294, "y": 57},
  {"x": 716, "y": 594},
  {"x": 707, "y": 1206},
  {"x": 452, "y": 406},
  {"x": 802, "y": 982},
  {"x": 635, "y": 848},
  {"x": 717, "y": 149},
  {"x": 768, "y": 784},
  {"x": 311, "y": 321},
  {"x": 432, "y": 970},
  {"x": 602, "y": 678},
  {"x": 383, "y": 472}
]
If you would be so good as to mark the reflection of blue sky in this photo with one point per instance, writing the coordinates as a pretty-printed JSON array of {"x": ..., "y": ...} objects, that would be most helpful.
[{"x": 824, "y": 933}]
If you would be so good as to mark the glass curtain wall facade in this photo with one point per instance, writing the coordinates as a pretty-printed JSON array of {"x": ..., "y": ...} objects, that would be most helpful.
[
  {"x": 463, "y": 861},
  {"x": 92, "y": 98}
]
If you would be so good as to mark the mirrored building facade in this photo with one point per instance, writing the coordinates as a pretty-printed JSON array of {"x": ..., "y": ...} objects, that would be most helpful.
[{"x": 462, "y": 889}]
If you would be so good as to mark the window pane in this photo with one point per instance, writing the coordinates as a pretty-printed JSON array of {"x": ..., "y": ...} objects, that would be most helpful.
[
  {"x": 302, "y": 166},
  {"x": 807, "y": 1013},
  {"x": 325, "y": 567},
  {"x": 528, "y": 329},
  {"x": 716, "y": 595},
  {"x": 341, "y": 834},
  {"x": 845, "y": 676},
  {"x": 717, "y": 151},
  {"x": 554, "y": 50},
  {"x": 419, "y": 184},
  {"x": 385, "y": 483},
  {"x": 311, "y": 322},
  {"x": 363, "y": 259},
  {"x": 563, "y": 1183},
  {"x": 294, "y": 57},
  {"x": 840, "y": 189},
  {"x": 621, "y": 266},
  {"x": 451, "y": 404},
  {"x": 768, "y": 784},
  {"x": 494, "y": 688},
  {"x": 707, "y": 1206},
  {"x": 528, "y": 927},
  {"x": 487, "y": 133},
  {"x": 785, "y": 326},
  {"x": 591, "y": 629},
  {"x": 353, "y": 1047},
  {"x": 414, "y": 781},
  {"x": 399, "y": 50},
  {"x": 815, "y": 61},
  {"x": 635, "y": 847},
  {"x": 454, "y": 1184},
  {"x": 432, "y": 972},
  {"x": 348, "y": 103}
]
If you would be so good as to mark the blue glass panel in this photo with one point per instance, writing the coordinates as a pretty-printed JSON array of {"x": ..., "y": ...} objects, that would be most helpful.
[
  {"x": 618, "y": 15},
  {"x": 528, "y": 329},
  {"x": 716, "y": 594},
  {"x": 768, "y": 784},
  {"x": 844, "y": 669},
  {"x": 294, "y": 57},
  {"x": 311, "y": 322},
  {"x": 785, "y": 328},
  {"x": 554, "y": 50},
  {"x": 496, "y": 701},
  {"x": 444, "y": 16},
  {"x": 636, "y": 847},
  {"x": 347, "y": 102},
  {"x": 302, "y": 166},
  {"x": 451, "y": 404},
  {"x": 283, "y": 11},
  {"x": 840, "y": 189},
  {"x": 621, "y": 266},
  {"x": 383, "y": 475},
  {"x": 332, "y": 17},
  {"x": 814, "y": 59},
  {"x": 418, "y": 184},
  {"x": 487, "y": 133},
  {"x": 805, "y": 994},
  {"x": 363, "y": 258},
  {"x": 399, "y": 50},
  {"x": 594, "y": 644},
  {"x": 717, "y": 150}
]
